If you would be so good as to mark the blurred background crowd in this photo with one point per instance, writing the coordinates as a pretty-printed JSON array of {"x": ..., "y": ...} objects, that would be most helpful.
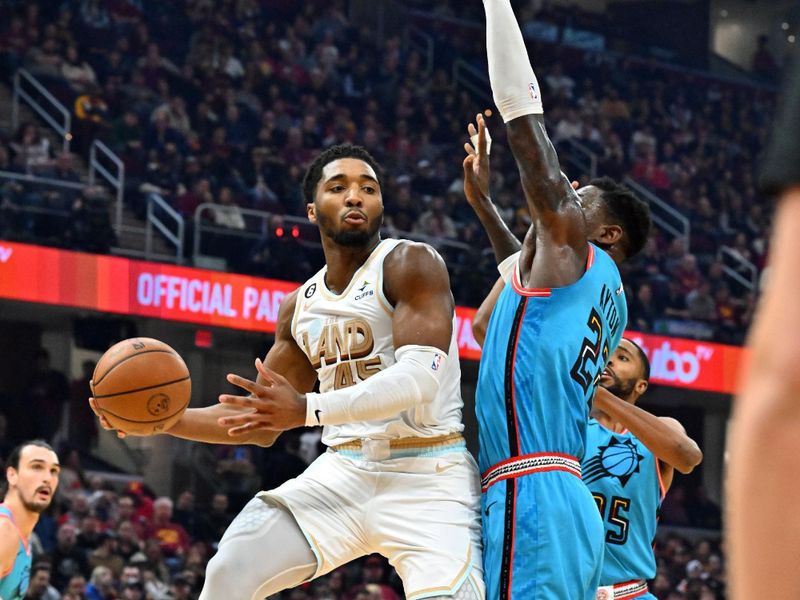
[{"x": 217, "y": 106}]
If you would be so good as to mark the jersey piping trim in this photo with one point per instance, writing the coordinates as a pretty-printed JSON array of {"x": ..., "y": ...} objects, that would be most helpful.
[
  {"x": 329, "y": 294},
  {"x": 449, "y": 589},
  {"x": 661, "y": 487},
  {"x": 520, "y": 289},
  {"x": 382, "y": 300}
]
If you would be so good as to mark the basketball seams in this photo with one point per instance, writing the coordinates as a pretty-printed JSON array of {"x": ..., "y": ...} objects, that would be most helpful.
[
  {"x": 142, "y": 389},
  {"x": 122, "y": 360}
]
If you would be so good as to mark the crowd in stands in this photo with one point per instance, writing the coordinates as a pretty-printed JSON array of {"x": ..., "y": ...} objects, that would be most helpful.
[
  {"x": 108, "y": 536},
  {"x": 121, "y": 541},
  {"x": 225, "y": 102}
]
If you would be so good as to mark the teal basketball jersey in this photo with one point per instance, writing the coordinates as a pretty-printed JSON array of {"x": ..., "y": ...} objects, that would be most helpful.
[
  {"x": 14, "y": 582},
  {"x": 624, "y": 479}
]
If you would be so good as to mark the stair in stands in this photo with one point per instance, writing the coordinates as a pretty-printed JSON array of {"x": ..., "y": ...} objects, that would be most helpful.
[{"x": 131, "y": 239}]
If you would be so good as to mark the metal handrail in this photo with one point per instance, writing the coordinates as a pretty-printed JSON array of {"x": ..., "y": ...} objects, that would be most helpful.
[
  {"x": 63, "y": 129},
  {"x": 680, "y": 227},
  {"x": 153, "y": 220},
  {"x": 289, "y": 220},
  {"x": 26, "y": 178},
  {"x": 117, "y": 180},
  {"x": 473, "y": 79},
  {"x": 750, "y": 283},
  {"x": 424, "y": 41},
  {"x": 588, "y": 153},
  {"x": 263, "y": 215}
]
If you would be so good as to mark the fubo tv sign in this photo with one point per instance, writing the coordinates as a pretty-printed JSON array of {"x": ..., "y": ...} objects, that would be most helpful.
[{"x": 689, "y": 363}]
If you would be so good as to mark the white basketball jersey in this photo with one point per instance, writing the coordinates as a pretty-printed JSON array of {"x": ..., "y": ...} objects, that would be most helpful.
[{"x": 348, "y": 338}]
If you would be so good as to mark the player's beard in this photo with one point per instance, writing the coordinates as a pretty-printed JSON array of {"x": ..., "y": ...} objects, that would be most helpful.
[
  {"x": 621, "y": 389},
  {"x": 34, "y": 506},
  {"x": 349, "y": 239}
]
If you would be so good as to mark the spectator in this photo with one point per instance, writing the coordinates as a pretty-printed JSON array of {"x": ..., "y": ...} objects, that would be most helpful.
[
  {"x": 644, "y": 310},
  {"x": 701, "y": 303},
  {"x": 75, "y": 588},
  {"x": 217, "y": 519},
  {"x": 101, "y": 585},
  {"x": 78, "y": 73},
  {"x": 39, "y": 587},
  {"x": 106, "y": 554},
  {"x": 226, "y": 213},
  {"x": 186, "y": 515},
  {"x": 435, "y": 222},
  {"x": 171, "y": 537},
  {"x": 68, "y": 560}
]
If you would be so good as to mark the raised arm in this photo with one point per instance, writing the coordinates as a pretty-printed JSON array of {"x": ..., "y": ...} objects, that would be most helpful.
[
  {"x": 666, "y": 438},
  {"x": 552, "y": 201},
  {"x": 477, "y": 176}
]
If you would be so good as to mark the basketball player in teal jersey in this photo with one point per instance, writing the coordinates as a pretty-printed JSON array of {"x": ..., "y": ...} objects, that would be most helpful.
[
  {"x": 630, "y": 455},
  {"x": 629, "y": 462},
  {"x": 552, "y": 330},
  {"x": 32, "y": 474}
]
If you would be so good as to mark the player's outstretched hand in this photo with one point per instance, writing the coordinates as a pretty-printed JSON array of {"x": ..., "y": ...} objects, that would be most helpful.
[
  {"x": 276, "y": 406},
  {"x": 103, "y": 421},
  {"x": 476, "y": 163}
]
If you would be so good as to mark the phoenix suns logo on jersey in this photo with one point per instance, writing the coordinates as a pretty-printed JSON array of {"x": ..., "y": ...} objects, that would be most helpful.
[{"x": 619, "y": 458}]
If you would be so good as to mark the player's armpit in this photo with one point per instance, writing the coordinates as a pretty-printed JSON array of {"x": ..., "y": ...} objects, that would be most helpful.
[{"x": 417, "y": 284}]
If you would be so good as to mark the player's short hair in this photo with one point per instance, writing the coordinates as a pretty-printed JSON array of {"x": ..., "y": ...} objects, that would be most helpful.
[
  {"x": 628, "y": 211},
  {"x": 16, "y": 453},
  {"x": 643, "y": 358},
  {"x": 314, "y": 172}
]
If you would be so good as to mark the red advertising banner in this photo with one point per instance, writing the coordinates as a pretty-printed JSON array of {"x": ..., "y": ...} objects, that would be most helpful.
[{"x": 131, "y": 287}]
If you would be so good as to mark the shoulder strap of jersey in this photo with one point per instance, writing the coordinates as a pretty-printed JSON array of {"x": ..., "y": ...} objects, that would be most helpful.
[
  {"x": 388, "y": 246},
  {"x": 5, "y": 513}
]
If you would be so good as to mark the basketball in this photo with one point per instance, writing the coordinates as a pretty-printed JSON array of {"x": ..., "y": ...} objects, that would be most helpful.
[{"x": 142, "y": 386}]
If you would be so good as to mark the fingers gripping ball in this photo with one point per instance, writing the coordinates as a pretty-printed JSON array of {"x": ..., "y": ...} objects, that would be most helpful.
[{"x": 142, "y": 386}]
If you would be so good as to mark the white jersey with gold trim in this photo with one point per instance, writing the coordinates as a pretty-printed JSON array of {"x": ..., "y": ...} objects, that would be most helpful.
[{"x": 348, "y": 337}]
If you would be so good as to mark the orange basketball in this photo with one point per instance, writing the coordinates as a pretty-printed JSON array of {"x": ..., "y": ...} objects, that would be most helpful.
[{"x": 142, "y": 386}]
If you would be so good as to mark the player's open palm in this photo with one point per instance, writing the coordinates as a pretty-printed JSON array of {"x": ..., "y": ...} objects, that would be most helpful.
[
  {"x": 274, "y": 405},
  {"x": 476, "y": 163}
]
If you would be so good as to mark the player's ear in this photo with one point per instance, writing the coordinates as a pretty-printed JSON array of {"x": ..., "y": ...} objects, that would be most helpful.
[
  {"x": 311, "y": 212},
  {"x": 609, "y": 235},
  {"x": 11, "y": 476},
  {"x": 641, "y": 386}
]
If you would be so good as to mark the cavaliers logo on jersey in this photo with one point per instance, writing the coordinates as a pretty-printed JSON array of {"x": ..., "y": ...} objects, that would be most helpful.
[{"x": 619, "y": 458}]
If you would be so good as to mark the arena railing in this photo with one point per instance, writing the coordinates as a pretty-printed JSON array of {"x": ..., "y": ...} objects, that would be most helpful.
[
  {"x": 45, "y": 101},
  {"x": 738, "y": 268},
  {"x": 419, "y": 39},
  {"x": 583, "y": 157},
  {"x": 473, "y": 79},
  {"x": 157, "y": 209},
  {"x": 664, "y": 216},
  {"x": 116, "y": 180},
  {"x": 257, "y": 227}
]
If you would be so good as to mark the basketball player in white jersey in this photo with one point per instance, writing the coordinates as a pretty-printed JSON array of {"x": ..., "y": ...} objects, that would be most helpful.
[{"x": 376, "y": 327}]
